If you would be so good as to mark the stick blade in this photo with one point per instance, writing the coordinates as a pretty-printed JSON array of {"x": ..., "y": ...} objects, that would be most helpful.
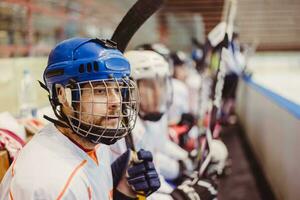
[{"x": 133, "y": 20}]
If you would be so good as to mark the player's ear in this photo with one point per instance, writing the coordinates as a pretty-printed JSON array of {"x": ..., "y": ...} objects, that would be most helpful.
[{"x": 63, "y": 95}]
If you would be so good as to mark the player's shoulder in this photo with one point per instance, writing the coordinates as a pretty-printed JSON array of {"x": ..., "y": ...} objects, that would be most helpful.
[
  {"x": 52, "y": 184},
  {"x": 47, "y": 179},
  {"x": 46, "y": 162},
  {"x": 49, "y": 148}
]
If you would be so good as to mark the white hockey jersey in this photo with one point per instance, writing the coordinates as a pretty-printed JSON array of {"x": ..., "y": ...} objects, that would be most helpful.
[{"x": 51, "y": 167}]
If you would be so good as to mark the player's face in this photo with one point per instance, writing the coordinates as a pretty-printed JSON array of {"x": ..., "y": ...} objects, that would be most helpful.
[
  {"x": 153, "y": 95},
  {"x": 101, "y": 104},
  {"x": 180, "y": 72}
]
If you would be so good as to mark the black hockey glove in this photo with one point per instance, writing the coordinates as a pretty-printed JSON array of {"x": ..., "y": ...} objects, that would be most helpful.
[
  {"x": 140, "y": 171},
  {"x": 142, "y": 175}
]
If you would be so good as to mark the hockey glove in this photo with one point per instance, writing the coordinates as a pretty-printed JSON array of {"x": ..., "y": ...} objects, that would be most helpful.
[
  {"x": 142, "y": 175},
  {"x": 140, "y": 171}
]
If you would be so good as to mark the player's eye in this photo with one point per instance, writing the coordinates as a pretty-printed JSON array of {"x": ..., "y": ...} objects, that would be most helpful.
[{"x": 100, "y": 91}]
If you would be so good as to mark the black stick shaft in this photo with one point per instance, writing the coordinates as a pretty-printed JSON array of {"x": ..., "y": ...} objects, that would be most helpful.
[{"x": 133, "y": 20}]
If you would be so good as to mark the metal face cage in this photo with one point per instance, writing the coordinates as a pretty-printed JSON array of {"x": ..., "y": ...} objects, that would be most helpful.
[{"x": 105, "y": 110}]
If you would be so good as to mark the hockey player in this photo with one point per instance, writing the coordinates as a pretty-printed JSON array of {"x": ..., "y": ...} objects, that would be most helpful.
[
  {"x": 183, "y": 115},
  {"x": 182, "y": 90},
  {"x": 235, "y": 64},
  {"x": 169, "y": 148},
  {"x": 153, "y": 77},
  {"x": 93, "y": 99},
  {"x": 185, "y": 108},
  {"x": 152, "y": 72}
]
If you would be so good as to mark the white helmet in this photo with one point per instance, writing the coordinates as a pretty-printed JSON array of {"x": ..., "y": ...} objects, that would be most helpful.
[
  {"x": 147, "y": 64},
  {"x": 152, "y": 73}
]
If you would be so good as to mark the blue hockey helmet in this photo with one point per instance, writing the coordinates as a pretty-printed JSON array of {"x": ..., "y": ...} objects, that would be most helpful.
[
  {"x": 84, "y": 59},
  {"x": 76, "y": 62}
]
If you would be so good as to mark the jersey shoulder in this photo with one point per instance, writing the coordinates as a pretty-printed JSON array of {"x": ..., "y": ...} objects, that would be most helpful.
[{"x": 47, "y": 166}]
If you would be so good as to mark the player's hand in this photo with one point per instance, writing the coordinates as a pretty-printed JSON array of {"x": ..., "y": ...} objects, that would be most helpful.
[
  {"x": 135, "y": 173},
  {"x": 142, "y": 175}
]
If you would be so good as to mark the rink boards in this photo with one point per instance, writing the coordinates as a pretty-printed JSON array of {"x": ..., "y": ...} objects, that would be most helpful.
[{"x": 272, "y": 125}]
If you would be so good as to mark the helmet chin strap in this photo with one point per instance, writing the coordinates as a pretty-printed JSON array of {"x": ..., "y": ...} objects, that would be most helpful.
[
  {"x": 154, "y": 116},
  {"x": 56, "y": 122}
]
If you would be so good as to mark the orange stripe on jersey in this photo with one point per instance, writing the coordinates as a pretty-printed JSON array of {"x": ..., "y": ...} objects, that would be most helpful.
[
  {"x": 13, "y": 165},
  {"x": 10, "y": 195},
  {"x": 13, "y": 168},
  {"x": 110, "y": 196},
  {"x": 93, "y": 156},
  {"x": 90, "y": 192},
  {"x": 70, "y": 179}
]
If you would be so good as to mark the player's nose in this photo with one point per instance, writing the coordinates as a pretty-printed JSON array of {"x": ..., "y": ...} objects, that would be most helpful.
[{"x": 114, "y": 100}]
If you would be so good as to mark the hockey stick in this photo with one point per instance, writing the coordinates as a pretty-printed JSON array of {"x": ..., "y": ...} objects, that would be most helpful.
[
  {"x": 218, "y": 85},
  {"x": 220, "y": 74},
  {"x": 131, "y": 22}
]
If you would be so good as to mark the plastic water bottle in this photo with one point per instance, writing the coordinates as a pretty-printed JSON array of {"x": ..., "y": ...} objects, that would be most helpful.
[{"x": 27, "y": 97}]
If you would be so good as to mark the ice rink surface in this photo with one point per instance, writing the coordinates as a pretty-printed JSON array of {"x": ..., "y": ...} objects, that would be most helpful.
[{"x": 278, "y": 72}]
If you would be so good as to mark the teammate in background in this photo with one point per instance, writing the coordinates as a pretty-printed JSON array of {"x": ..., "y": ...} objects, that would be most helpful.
[
  {"x": 95, "y": 103},
  {"x": 235, "y": 64},
  {"x": 201, "y": 54},
  {"x": 187, "y": 127},
  {"x": 167, "y": 148},
  {"x": 152, "y": 74},
  {"x": 184, "y": 111}
]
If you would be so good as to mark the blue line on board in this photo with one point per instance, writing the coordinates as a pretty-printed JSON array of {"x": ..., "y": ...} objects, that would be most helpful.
[{"x": 281, "y": 101}]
